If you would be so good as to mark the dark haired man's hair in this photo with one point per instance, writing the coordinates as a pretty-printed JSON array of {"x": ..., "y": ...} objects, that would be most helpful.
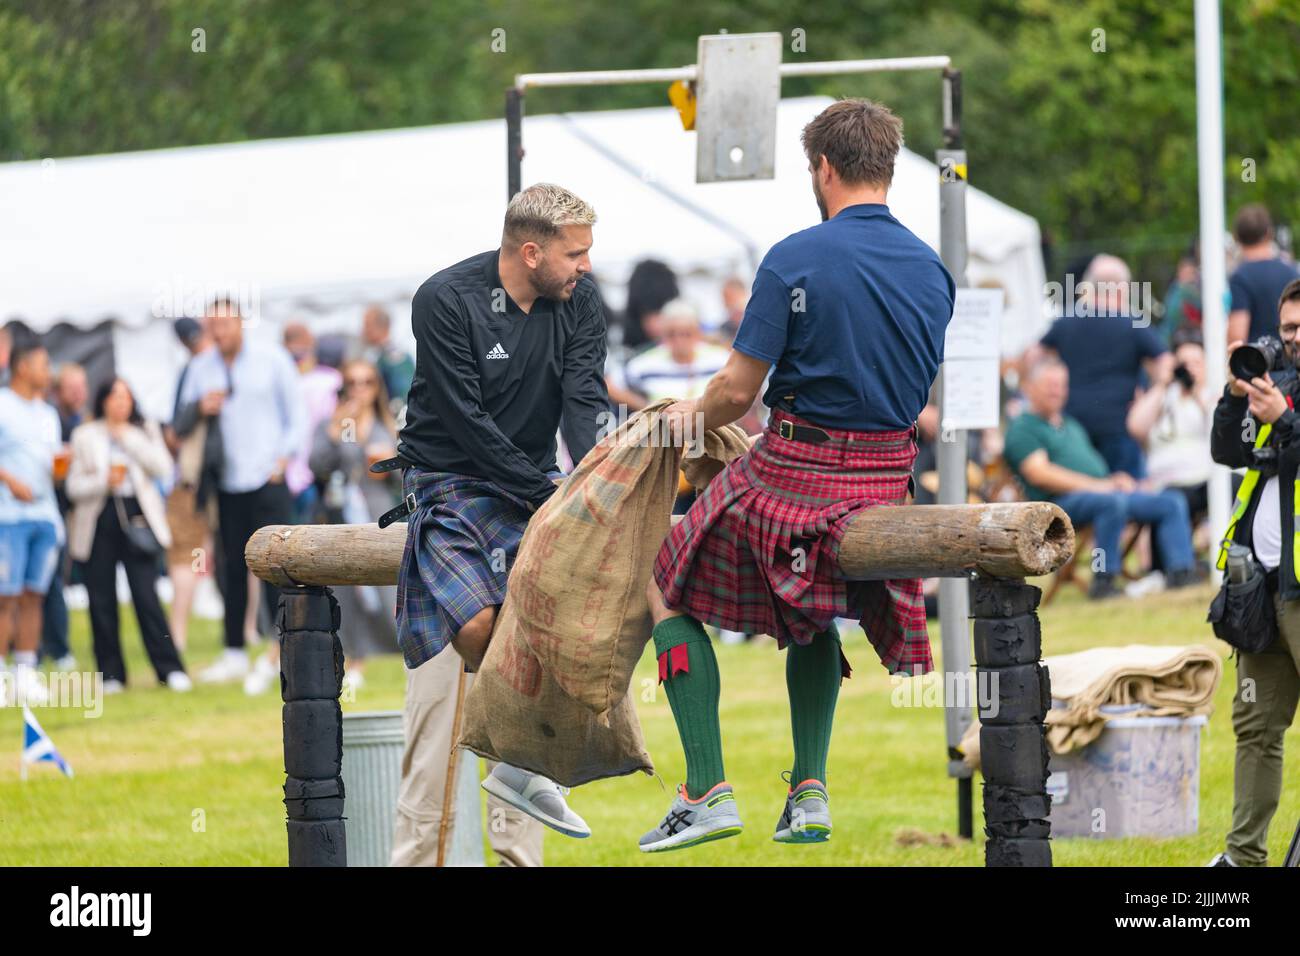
[
  {"x": 1253, "y": 224},
  {"x": 1290, "y": 294},
  {"x": 101, "y": 397},
  {"x": 1186, "y": 336},
  {"x": 859, "y": 138},
  {"x": 652, "y": 285},
  {"x": 23, "y": 342}
]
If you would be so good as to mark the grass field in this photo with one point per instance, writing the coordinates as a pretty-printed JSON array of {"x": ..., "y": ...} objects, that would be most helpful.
[{"x": 156, "y": 762}]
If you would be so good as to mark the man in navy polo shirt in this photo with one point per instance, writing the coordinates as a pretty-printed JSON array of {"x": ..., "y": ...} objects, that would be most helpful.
[
  {"x": 850, "y": 316},
  {"x": 1107, "y": 344}
]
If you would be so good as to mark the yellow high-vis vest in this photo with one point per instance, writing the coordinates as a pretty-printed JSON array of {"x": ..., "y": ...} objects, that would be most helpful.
[{"x": 1247, "y": 488}]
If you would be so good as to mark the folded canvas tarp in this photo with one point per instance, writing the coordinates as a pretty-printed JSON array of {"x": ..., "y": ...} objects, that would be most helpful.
[{"x": 1157, "y": 681}]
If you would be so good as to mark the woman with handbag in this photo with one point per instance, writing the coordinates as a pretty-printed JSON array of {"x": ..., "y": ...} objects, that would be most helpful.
[
  {"x": 118, "y": 516},
  {"x": 360, "y": 433}
]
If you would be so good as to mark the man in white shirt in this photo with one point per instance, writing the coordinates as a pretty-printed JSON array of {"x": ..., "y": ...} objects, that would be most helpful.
[
  {"x": 682, "y": 364},
  {"x": 251, "y": 393},
  {"x": 31, "y": 528}
]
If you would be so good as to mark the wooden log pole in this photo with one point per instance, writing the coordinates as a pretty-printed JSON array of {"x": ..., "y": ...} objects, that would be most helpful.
[{"x": 1012, "y": 540}]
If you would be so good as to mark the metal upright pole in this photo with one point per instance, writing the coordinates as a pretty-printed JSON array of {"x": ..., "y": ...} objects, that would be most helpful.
[
  {"x": 1209, "y": 171},
  {"x": 954, "y": 597},
  {"x": 514, "y": 141}
]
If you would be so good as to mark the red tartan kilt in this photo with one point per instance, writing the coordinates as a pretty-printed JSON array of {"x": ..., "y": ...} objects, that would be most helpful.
[{"x": 758, "y": 550}]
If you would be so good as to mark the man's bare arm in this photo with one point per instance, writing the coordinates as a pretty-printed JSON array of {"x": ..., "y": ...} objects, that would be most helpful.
[{"x": 732, "y": 391}]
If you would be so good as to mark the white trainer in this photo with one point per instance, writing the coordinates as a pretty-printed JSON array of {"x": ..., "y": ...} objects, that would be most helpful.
[
  {"x": 230, "y": 666},
  {"x": 535, "y": 795},
  {"x": 261, "y": 677},
  {"x": 180, "y": 682},
  {"x": 113, "y": 686}
]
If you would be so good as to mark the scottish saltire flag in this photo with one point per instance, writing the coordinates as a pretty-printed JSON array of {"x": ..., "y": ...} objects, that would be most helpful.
[{"x": 37, "y": 746}]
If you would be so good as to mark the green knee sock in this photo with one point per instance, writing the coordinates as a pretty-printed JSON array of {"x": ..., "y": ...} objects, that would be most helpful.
[
  {"x": 812, "y": 677},
  {"x": 693, "y": 696}
]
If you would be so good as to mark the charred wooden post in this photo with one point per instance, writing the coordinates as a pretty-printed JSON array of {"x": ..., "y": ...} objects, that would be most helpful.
[
  {"x": 1000, "y": 543},
  {"x": 1013, "y": 540},
  {"x": 1015, "y": 695},
  {"x": 311, "y": 679}
]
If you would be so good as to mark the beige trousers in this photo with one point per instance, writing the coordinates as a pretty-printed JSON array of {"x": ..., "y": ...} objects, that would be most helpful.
[{"x": 435, "y": 702}]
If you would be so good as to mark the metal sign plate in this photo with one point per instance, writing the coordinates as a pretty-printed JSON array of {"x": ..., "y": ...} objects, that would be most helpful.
[{"x": 737, "y": 88}]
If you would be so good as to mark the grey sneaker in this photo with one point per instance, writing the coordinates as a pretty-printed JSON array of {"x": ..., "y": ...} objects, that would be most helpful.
[
  {"x": 1221, "y": 859},
  {"x": 711, "y": 817},
  {"x": 807, "y": 816},
  {"x": 535, "y": 795}
]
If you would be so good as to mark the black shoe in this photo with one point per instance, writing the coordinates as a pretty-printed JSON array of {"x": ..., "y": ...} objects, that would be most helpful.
[
  {"x": 1103, "y": 587},
  {"x": 1187, "y": 577}
]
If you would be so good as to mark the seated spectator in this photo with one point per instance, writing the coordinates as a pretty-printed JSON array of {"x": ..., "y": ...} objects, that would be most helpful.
[
  {"x": 682, "y": 364},
  {"x": 118, "y": 516},
  {"x": 1106, "y": 345},
  {"x": 1054, "y": 461},
  {"x": 360, "y": 432},
  {"x": 1172, "y": 420}
]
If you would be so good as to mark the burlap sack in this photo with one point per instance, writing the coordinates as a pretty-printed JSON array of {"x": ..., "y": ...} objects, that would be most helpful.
[
  {"x": 515, "y": 712},
  {"x": 552, "y": 695},
  {"x": 578, "y": 582}
]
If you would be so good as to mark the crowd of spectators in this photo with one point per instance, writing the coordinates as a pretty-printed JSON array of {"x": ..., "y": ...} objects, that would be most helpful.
[{"x": 1108, "y": 415}]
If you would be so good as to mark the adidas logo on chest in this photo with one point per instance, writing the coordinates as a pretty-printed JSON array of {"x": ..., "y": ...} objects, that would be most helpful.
[{"x": 498, "y": 352}]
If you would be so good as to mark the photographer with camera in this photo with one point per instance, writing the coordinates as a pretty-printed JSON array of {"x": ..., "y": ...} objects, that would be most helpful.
[
  {"x": 1172, "y": 419},
  {"x": 1256, "y": 427}
]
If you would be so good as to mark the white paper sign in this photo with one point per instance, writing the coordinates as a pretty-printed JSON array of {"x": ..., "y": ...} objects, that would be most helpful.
[
  {"x": 972, "y": 349},
  {"x": 974, "y": 330},
  {"x": 970, "y": 394}
]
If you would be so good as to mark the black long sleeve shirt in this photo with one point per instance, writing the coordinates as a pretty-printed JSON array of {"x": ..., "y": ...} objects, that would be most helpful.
[{"x": 492, "y": 383}]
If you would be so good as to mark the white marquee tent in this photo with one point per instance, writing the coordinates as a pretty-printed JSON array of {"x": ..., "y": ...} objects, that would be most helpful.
[{"x": 315, "y": 228}]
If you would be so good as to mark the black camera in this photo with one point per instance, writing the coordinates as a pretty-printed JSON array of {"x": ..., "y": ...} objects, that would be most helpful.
[
  {"x": 1184, "y": 377},
  {"x": 1254, "y": 359}
]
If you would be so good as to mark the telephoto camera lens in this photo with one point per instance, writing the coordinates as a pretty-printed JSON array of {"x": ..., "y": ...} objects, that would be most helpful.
[{"x": 1256, "y": 358}]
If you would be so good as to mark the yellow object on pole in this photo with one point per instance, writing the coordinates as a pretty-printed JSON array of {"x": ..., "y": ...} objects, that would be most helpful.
[{"x": 682, "y": 96}]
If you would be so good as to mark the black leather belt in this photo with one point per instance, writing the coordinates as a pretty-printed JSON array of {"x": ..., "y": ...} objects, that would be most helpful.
[
  {"x": 806, "y": 433},
  {"x": 407, "y": 507},
  {"x": 389, "y": 464}
]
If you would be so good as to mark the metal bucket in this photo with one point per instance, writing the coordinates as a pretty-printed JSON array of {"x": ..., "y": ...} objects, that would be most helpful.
[{"x": 372, "y": 772}]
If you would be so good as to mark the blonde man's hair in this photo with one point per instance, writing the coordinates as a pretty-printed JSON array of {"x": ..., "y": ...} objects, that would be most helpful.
[{"x": 537, "y": 214}]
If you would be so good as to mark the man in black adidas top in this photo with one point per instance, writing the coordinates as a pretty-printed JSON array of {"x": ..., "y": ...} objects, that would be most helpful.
[{"x": 510, "y": 346}]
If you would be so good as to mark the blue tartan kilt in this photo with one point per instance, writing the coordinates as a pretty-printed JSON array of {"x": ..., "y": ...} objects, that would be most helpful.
[{"x": 460, "y": 545}]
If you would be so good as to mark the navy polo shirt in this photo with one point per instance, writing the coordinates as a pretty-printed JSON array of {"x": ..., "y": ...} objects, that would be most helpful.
[
  {"x": 1256, "y": 286},
  {"x": 1104, "y": 355},
  {"x": 852, "y": 314}
]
